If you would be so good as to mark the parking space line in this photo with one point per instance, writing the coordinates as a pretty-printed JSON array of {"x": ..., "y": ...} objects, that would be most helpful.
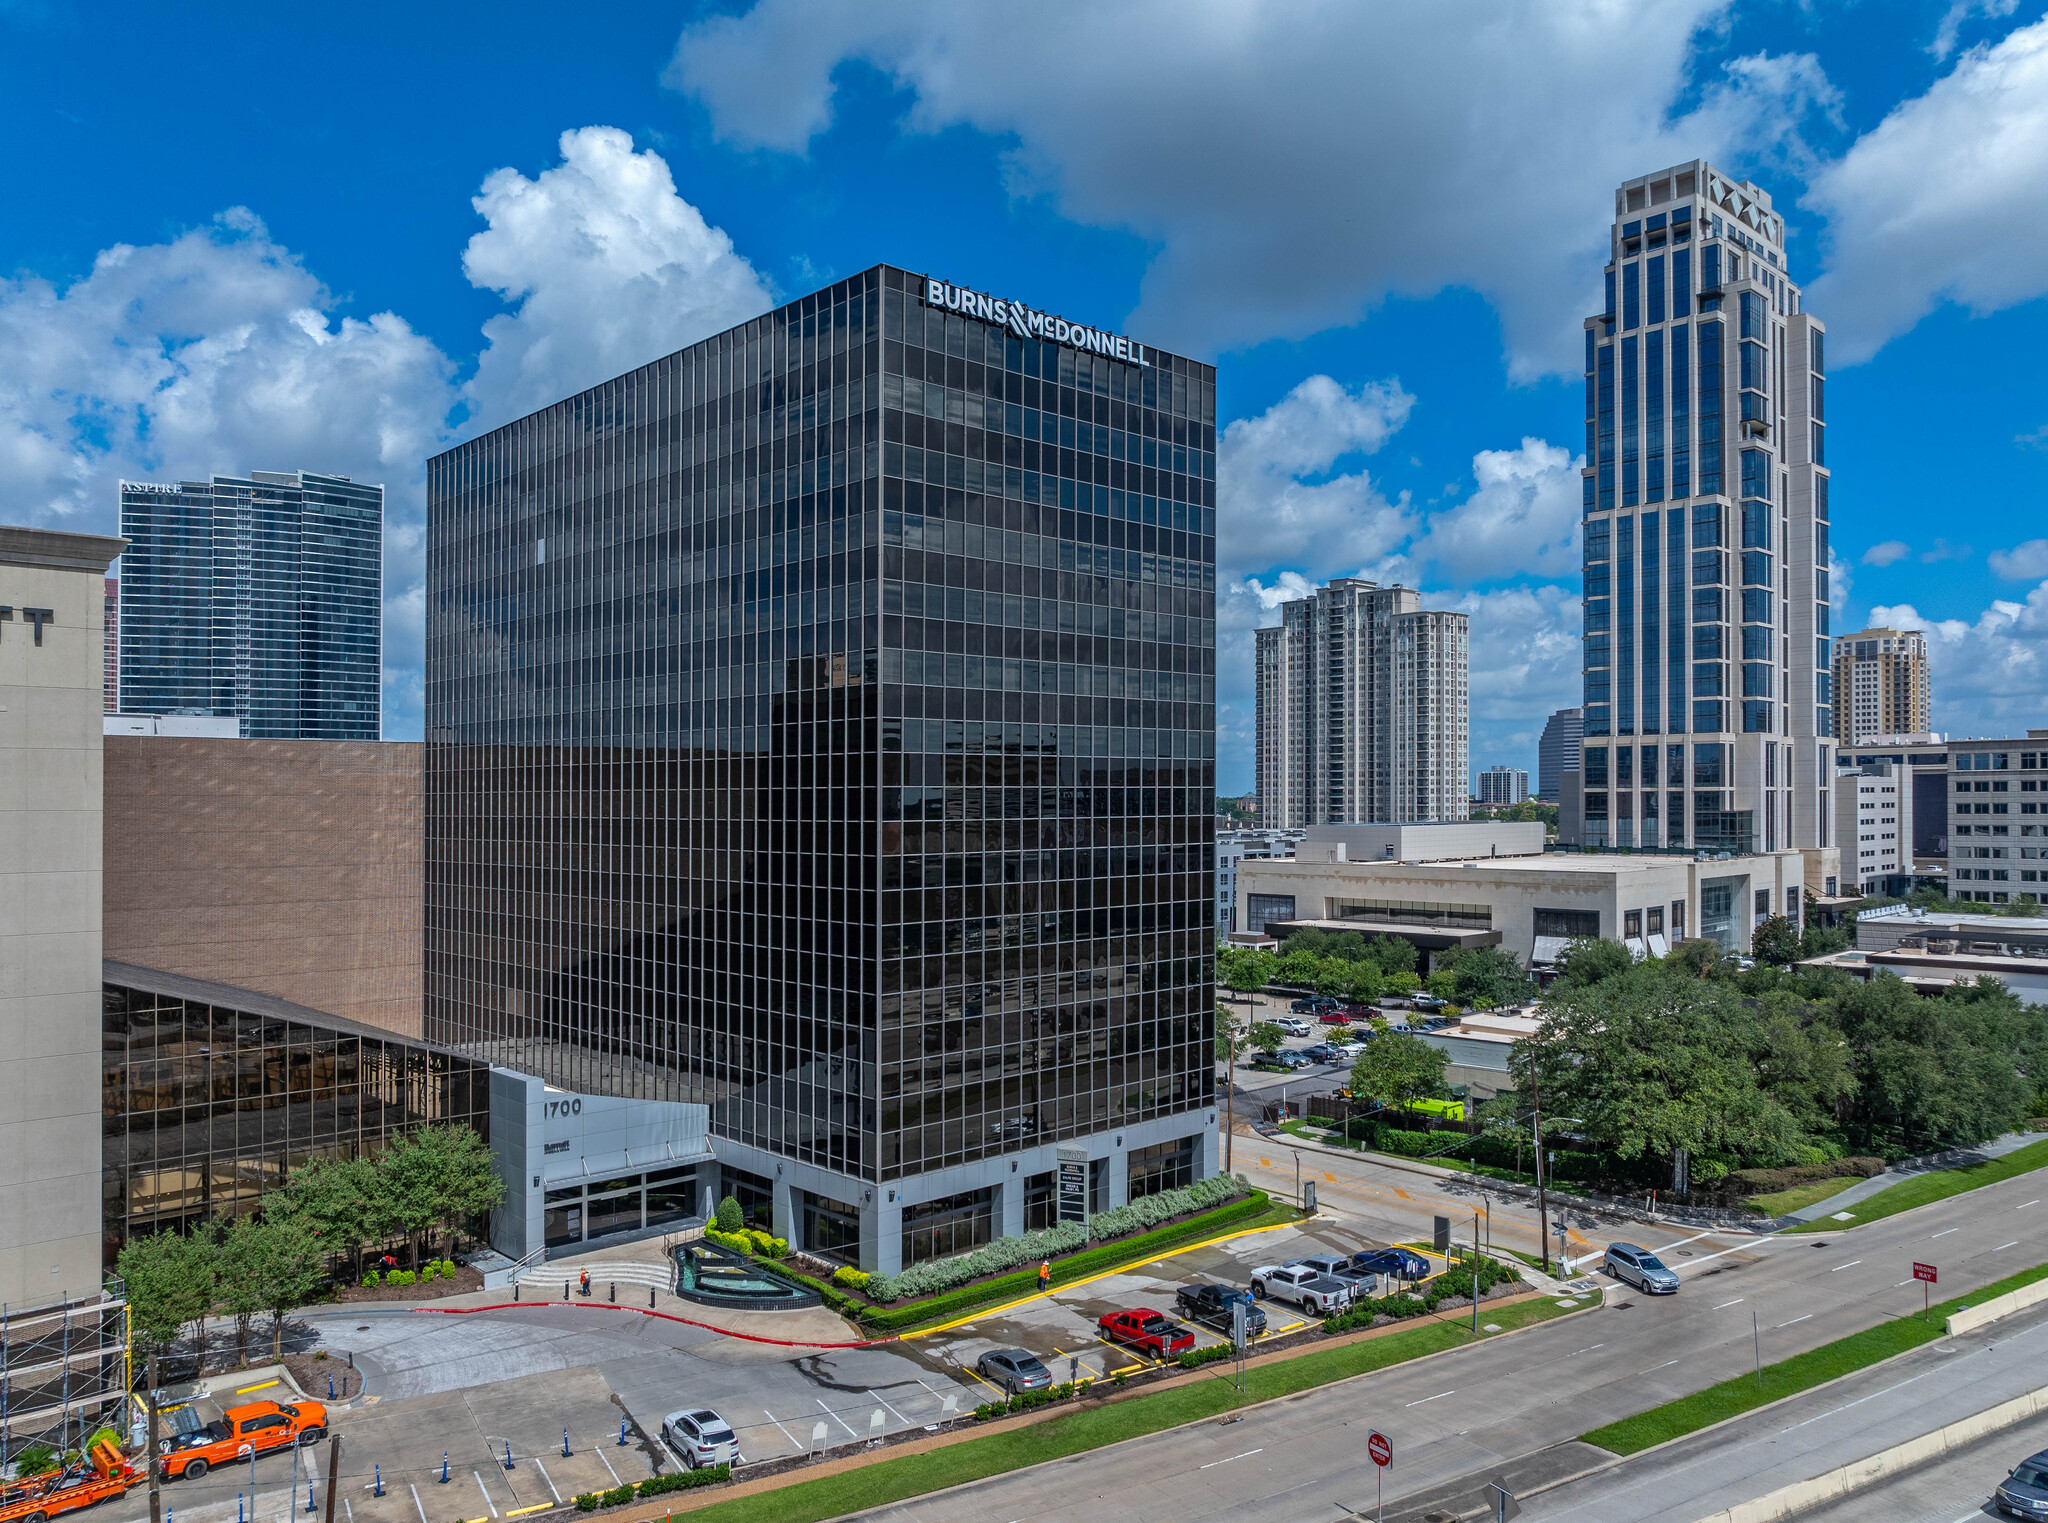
[
  {"x": 836, "y": 1418},
  {"x": 598, "y": 1450},
  {"x": 416, "y": 1501},
  {"x": 800, "y": 1448},
  {"x": 898, "y": 1415},
  {"x": 549, "y": 1479},
  {"x": 493, "y": 1506}
]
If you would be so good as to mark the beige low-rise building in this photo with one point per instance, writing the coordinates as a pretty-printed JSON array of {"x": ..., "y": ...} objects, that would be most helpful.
[
  {"x": 1531, "y": 903},
  {"x": 1934, "y": 949}
]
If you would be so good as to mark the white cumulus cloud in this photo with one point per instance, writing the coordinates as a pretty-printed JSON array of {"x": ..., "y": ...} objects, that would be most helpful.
[
  {"x": 1522, "y": 521},
  {"x": 1295, "y": 165},
  {"x": 1987, "y": 673},
  {"x": 607, "y": 266},
  {"x": 1941, "y": 201},
  {"x": 1887, "y": 552},
  {"x": 2026, "y": 562}
]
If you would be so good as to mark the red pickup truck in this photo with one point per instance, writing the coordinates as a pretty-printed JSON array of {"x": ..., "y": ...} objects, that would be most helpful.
[{"x": 1147, "y": 1331}]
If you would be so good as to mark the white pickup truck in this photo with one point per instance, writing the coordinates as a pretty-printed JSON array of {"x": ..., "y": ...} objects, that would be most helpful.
[{"x": 1309, "y": 1289}]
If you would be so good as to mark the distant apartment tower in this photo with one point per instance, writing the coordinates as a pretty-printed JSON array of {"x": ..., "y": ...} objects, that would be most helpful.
[
  {"x": 1881, "y": 685},
  {"x": 1874, "y": 824},
  {"x": 1362, "y": 710},
  {"x": 1708, "y": 703},
  {"x": 113, "y": 647},
  {"x": 1558, "y": 751},
  {"x": 1503, "y": 785},
  {"x": 256, "y": 597}
]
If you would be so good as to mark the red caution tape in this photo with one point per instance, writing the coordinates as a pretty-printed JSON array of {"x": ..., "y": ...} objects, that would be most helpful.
[{"x": 641, "y": 1311}]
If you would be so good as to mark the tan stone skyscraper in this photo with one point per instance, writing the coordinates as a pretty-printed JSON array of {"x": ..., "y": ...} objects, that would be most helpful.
[{"x": 1881, "y": 685}]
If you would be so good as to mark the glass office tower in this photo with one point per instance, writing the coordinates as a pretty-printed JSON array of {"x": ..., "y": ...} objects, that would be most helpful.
[
  {"x": 1708, "y": 710},
  {"x": 820, "y": 727},
  {"x": 257, "y": 597}
]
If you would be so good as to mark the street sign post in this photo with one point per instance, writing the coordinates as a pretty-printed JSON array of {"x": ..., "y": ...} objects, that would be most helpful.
[
  {"x": 1382, "y": 1454},
  {"x": 1504, "y": 1504},
  {"x": 1927, "y": 1275}
]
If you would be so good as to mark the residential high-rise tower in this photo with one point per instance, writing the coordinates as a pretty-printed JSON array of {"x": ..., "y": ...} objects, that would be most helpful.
[
  {"x": 820, "y": 727},
  {"x": 1708, "y": 711},
  {"x": 1881, "y": 685},
  {"x": 1362, "y": 710},
  {"x": 257, "y": 597}
]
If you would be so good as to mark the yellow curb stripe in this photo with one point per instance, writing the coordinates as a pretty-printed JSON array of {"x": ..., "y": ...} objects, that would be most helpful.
[
  {"x": 996, "y": 1311},
  {"x": 245, "y": 1390},
  {"x": 522, "y": 1511}
]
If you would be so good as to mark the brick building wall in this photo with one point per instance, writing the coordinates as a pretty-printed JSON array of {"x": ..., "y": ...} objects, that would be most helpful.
[{"x": 291, "y": 868}]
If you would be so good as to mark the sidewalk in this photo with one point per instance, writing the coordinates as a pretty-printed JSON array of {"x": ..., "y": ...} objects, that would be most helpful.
[{"x": 1863, "y": 1189}]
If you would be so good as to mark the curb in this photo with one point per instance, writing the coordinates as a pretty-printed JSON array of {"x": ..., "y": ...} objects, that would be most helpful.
[{"x": 641, "y": 1311}]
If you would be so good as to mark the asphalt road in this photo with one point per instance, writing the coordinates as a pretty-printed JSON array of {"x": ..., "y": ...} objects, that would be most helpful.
[{"x": 1464, "y": 1414}]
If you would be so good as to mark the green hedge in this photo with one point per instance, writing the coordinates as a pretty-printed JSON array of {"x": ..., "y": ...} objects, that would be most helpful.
[
  {"x": 1195, "y": 1358},
  {"x": 1500, "y": 1153},
  {"x": 1455, "y": 1281},
  {"x": 1024, "y": 1401},
  {"x": 1074, "y": 1266},
  {"x": 655, "y": 1486}
]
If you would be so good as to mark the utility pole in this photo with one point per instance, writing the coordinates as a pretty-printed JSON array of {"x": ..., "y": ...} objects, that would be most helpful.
[{"x": 1542, "y": 1200}]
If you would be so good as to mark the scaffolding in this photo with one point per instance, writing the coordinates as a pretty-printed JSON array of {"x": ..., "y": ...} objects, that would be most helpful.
[{"x": 64, "y": 1369}]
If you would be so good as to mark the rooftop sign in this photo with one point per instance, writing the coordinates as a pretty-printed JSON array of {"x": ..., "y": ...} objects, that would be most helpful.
[{"x": 1028, "y": 322}]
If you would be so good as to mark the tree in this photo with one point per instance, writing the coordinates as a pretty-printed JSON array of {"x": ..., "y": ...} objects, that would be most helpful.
[
  {"x": 1488, "y": 976},
  {"x": 340, "y": 1203},
  {"x": 1363, "y": 985},
  {"x": 1229, "y": 1031},
  {"x": 244, "y": 1245},
  {"x": 1586, "y": 960},
  {"x": 1398, "y": 1069},
  {"x": 1332, "y": 974},
  {"x": 167, "y": 1279},
  {"x": 1938, "y": 1071},
  {"x": 1297, "y": 968},
  {"x": 1805, "y": 1065},
  {"x": 466, "y": 1185},
  {"x": 1400, "y": 983},
  {"x": 291, "y": 1268},
  {"x": 730, "y": 1217},
  {"x": 1393, "y": 954},
  {"x": 1698, "y": 958},
  {"x": 1246, "y": 970},
  {"x": 1648, "y": 1062},
  {"x": 409, "y": 1171},
  {"x": 1267, "y": 1037},
  {"x": 1775, "y": 941},
  {"x": 1443, "y": 983}
]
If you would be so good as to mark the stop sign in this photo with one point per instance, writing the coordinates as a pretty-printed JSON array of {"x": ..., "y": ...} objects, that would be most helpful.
[{"x": 1381, "y": 1451}]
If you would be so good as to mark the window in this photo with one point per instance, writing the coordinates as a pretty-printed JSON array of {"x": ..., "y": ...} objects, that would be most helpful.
[
  {"x": 937, "y": 1229},
  {"x": 1163, "y": 1166},
  {"x": 1656, "y": 920},
  {"x": 1632, "y": 925},
  {"x": 1567, "y": 923},
  {"x": 1261, "y": 908}
]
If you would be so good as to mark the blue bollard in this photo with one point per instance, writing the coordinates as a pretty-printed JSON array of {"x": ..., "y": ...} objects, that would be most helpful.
[
  {"x": 377, "y": 1490},
  {"x": 622, "y": 1433},
  {"x": 330, "y": 1388},
  {"x": 565, "y": 1443},
  {"x": 239, "y": 1518},
  {"x": 444, "y": 1467},
  {"x": 508, "y": 1454}
]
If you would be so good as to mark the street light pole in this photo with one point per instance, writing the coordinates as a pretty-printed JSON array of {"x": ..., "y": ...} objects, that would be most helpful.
[{"x": 1542, "y": 1199}]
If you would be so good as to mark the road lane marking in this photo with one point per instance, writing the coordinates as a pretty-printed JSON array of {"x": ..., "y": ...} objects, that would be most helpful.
[
  {"x": 1655, "y": 1367},
  {"x": 1840, "y": 1267},
  {"x": 1244, "y": 1456},
  {"x": 2003, "y": 1246},
  {"x": 1860, "y": 1400},
  {"x": 1795, "y": 1319},
  {"x": 1586, "y": 1350},
  {"x": 1902, "y": 1282},
  {"x": 1726, "y": 1304},
  {"x": 1946, "y": 1231},
  {"x": 1703, "y": 1258},
  {"x": 2029, "y": 1203},
  {"x": 835, "y": 1417},
  {"x": 1438, "y": 1397}
]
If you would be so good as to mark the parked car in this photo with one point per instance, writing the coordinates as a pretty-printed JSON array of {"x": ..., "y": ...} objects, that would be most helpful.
[
  {"x": 1309, "y": 1289},
  {"x": 260, "y": 1427},
  {"x": 1394, "y": 1263},
  {"x": 1293, "y": 1025},
  {"x": 1351, "y": 1049},
  {"x": 1210, "y": 1305},
  {"x": 1427, "y": 1002},
  {"x": 1147, "y": 1331},
  {"x": 1321, "y": 1052},
  {"x": 1311, "y": 1004},
  {"x": 1641, "y": 1268},
  {"x": 1334, "y": 1017},
  {"x": 1014, "y": 1369},
  {"x": 2024, "y": 1491},
  {"x": 1285, "y": 1060},
  {"x": 701, "y": 1437},
  {"x": 1363, "y": 1282}
]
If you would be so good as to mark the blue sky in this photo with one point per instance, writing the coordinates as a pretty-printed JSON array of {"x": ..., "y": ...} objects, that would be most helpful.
[{"x": 258, "y": 237}]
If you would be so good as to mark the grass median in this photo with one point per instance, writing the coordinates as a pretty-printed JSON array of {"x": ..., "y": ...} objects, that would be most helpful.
[
  {"x": 895, "y": 1480},
  {"x": 1788, "y": 1377},
  {"x": 1937, "y": 1184}
]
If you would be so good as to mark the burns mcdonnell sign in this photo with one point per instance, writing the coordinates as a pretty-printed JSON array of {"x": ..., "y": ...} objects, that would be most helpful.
[{"x": 1027, "y": 322}]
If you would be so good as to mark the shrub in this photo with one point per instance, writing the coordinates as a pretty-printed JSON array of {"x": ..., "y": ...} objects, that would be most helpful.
[
  {"x": 34, "y": 1460},
  {"x": 730, "y": 1217},
  {"x": 852, "y": 1279},
  {"x": 1765, "y": 1181},
  {"x": 429, "y": 1273},
  {"x": 928, "y": 1279},
  {"x": 373, "y": 1278},
  {"x": 743, "y": 1241},
  {"x": 1194, "y": 1358},
  {"x": 1151, "y": 1210},
  {"x": 765, "y": 1244}
]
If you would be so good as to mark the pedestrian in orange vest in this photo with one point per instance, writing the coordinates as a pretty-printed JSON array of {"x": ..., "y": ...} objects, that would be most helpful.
[{"x": 1044, "y": 1274}]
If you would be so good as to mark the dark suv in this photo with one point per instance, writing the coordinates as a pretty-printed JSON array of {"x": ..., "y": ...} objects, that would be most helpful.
[
  {"x": 2024, "y": 1493},
  {"x": 1210, "y": 1305}
]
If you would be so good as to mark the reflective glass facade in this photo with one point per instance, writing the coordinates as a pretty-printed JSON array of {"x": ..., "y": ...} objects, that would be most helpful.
[
  {"x": 820, "y": 727},
  {"x": 257, "y": 598},
  {"x": 211, "y": 1097}
]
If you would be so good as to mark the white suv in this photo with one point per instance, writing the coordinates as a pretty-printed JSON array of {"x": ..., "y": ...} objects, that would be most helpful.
[
  {"x": 1310, "y": 1289},
  {"x": 701, "y": 1437}
]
